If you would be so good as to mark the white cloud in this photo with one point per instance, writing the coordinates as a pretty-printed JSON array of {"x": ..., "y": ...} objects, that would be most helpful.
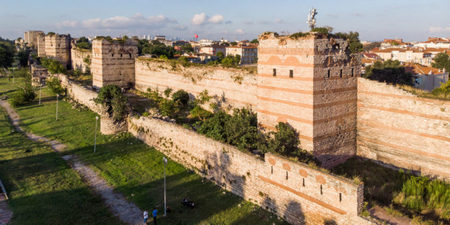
[
  {"x": 439, "y": 29},
  {"x": 216, "y": 19},
  {"x": 202, "y": 18},
  {"x": 120, "y": 22},
  {"x": 199, "y": 19},
  {"x": 239, "y": 31}
]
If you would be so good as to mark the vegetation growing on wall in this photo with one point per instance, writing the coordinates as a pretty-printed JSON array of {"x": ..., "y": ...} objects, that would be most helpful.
[
  {"x": 83, "y": 43},
  {"x": 411, "y": 195},
  {"x": 239, "y": 129},
  {"x": 115, "y": 102},
  {"x": 53, "y": 66},
  {"x": 54, "y": 84},
  {"x": 391, "y": 72}
]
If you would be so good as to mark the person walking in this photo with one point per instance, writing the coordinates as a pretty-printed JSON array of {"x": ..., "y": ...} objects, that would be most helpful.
[
  {"x": 154, "y": 214},
  {"x": 145, "y": 217}
]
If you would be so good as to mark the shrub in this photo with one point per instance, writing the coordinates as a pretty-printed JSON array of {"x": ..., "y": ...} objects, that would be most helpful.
[
  {"x": 391, "y": 72},
  {"x": 53, "y": 65},
  {"x": 55, "y": 86},
  {"x": 23, "y": 96},
  {"x": 181, "y": 98},
  {"x": 443, "y": 90},
  {"x": 111, "y": 96}
]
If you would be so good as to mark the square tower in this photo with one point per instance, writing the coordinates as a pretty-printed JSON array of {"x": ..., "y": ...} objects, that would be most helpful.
[
  {"x": 113, "y": 62},
  {"x": 309, "y": 81},
  {"x": 57, "y": 46}
]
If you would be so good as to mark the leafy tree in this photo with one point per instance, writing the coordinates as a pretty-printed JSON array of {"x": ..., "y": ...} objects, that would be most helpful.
[
  {"x": 22, "y": 57},
  {"x": 220, "y": 56},
  {"x": 181, "y": 98},
  {"x": 156, "y": 48},
  {"x": 83, "y": 43},
  {"x": 199, "y": 113},
  {"x": 25, "y": 94},
  {"x": 6, "y": 53},
  {"x": 441, "y": 61},
  {"x": 112, "y": 97},
  {"x": 233, "y": 43},
  {"x": 443, "y": 90},
  {"x": 187, "y": 48},
  {"x": 55, "y": 86},
  {"x": 391, "y": 72},
  {"x": 355, "y": 45},
  {"x": 254, "y": 41},
  {"x": 231, "y": 61},
  {"x": 53, "y": 65}
]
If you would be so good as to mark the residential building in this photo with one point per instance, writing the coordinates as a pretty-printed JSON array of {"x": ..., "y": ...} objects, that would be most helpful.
[{"x": 249, "y": 54}]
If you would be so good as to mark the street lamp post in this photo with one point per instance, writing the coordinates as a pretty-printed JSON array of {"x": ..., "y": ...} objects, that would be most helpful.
[
  {"x": 57, "y": 95},
  {"x": 40, "y": 90},
  {"x": 165, "y": 206},
  {"x": 95, "y": 134}
]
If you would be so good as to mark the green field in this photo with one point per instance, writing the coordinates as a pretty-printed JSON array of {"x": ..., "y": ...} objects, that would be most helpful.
[
  {"x": 42, "y": 188},
  {"x": 136, "y": 170}
]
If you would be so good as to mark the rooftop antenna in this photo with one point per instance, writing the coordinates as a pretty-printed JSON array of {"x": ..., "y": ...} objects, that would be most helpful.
[{"x": 312, "y": 18}]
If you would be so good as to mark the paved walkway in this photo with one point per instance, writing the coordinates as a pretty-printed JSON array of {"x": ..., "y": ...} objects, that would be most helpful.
[
  {"x": 127, "y": 212},
  {"x": 5, "y": 212}
]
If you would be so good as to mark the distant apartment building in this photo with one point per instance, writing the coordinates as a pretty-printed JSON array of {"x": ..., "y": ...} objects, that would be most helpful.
[
  {"x": 406, "y": 55},
  {"x": 427, "y": 78},
  {"x": 394, "y": 43},
  {"x": 433, "y": 42},
  {"x": 162, "y": 39},
  {"x": 249, "y": 54},
  {"x": 212, "y": 50}
]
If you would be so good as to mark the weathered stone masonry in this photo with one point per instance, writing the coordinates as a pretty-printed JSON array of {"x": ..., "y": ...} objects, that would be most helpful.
[
  {"x": 79, "y": 58},
  {"x": 401, "y": 129}
]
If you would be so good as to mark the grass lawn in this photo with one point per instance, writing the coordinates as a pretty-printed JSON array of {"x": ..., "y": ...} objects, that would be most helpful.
[
  {"x": 42, "y": 188},
  {"x": 136, "y": 170}
]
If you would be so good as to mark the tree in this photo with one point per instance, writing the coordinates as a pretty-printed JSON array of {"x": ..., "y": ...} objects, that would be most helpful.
[
  {"x": 22, "y": 57},
  {"x": 156, "y": 48},
  {"x": 83, "y": 43},
  {"x": 116, "y": 103},
  {"x": 233, "y": 43},
  {"x": 187, "y": 48},
  {"x": 441, "y": 61},
  {"x": 391, "y": 72},
  {"x": 254, "y": 41},
  {"x": 220, "y": 56},
  {"x": 355, "y": 45},
  {"x": 53, "y": 65},
  {"x": 6, "y": 53}
]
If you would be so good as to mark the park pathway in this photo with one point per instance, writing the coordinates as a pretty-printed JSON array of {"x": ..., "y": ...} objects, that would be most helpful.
[
  {"x": 5, "y": 212},
  {"x": 127, "y": 212}
]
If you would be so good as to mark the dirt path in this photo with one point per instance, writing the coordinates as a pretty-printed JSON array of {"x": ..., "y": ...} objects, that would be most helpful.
[
  {"x": 381, "y": 214},
  {"x": 127, "y": 212}
]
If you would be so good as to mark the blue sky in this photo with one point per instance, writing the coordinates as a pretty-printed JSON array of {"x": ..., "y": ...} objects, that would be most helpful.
[{"x": 231, "y": 19}]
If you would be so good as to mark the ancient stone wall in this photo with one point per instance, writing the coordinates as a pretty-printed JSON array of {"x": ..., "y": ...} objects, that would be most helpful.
[
  {"x": 31, "y": 37},
  {"x": 57, "y": 46},
  {"x": 309, "y": 82},
  {"x": 113, "y": 62},
  {"x": 80, "y": 94},
  {"x": 232, "y": 87},
  {"x": 81, "y": 59},
  {"x": 40, "y": 45},
  {"x": 292, "y": 190},
  {"x": 401, "y": 129}
]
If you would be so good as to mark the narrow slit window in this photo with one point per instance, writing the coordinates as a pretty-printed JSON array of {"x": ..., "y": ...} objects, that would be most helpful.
[
  {"x": 303, "y": 182},
  {"x": 353, "y": 72},
  {"x": 340, "y": 73},
  {"x": 271, "y": 169},
  {"x": 291, "y": 73},
  {"x": 287, "y": 177},
  {"x": 329, "y": 73},
  {"x": 321, "y": 191},
  {"x": 120, "y": 55},
  {"x": 274, "y": 72},
  {"x": 340, "y": 197}
]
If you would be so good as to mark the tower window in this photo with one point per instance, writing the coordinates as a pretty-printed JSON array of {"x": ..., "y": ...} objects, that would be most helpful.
[
  {"x": 271, "y": 169},
  {"x": 287, "y": 177},
  {"x": 340, "y": 73},
  {"x": 340, "y": 197},
  {"x": 353, "y": 72},
  {"x": 321, "y": 191},
  {"x": 120, "y": 55},
  {"x": 274, "y": 72},
  {"x": 303, "y": 184},
  {"x": 329, "y": 73},
  {"x": 291, "y": 73}
]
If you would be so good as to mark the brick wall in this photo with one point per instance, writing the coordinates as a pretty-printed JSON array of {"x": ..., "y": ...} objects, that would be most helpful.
[
  {"x": 78, "y": 56},
  {"x": 292, "y": 190},
  {"x": 401, "y": 129},
  {"x": 233, "y": 87}
]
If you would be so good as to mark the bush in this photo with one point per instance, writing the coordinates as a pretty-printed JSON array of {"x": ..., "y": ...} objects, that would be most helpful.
[
  {"x": 23, "y": 96},
  {"x": 55, "y": 86},
  {"x": 53, "y": 66},
  {"x": 181, "y": 98},
  {"x": 391, "y": 72},
  {"x": 116, "y": 103},
  {"x": 443, "y": 90}
]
